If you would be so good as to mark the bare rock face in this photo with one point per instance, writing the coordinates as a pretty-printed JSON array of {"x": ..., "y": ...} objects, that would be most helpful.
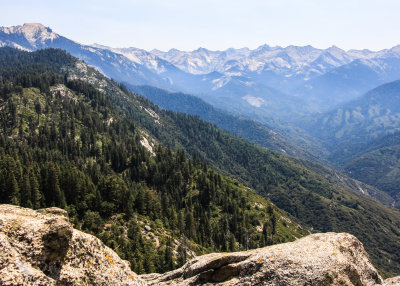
[
  {"x": 395, "y": 281},
  {"x": 318, "y": 259},
  {"x": 42, "y": 248}
]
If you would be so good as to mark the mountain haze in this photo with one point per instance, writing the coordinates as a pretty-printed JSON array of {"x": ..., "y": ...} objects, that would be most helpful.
[
  {"x": 354, "y": 124},
  {"x": 283, "y": 83},
  {"x": 242, "y": 127}
]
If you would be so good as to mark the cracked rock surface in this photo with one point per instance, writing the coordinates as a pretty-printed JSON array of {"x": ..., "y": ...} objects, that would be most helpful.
[
  {"x": 318, "y": 259},
  {"x": 42, "y": 248}
]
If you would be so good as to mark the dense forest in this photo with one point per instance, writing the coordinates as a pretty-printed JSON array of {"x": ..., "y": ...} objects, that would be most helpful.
[{"x": 65, "y": 143}]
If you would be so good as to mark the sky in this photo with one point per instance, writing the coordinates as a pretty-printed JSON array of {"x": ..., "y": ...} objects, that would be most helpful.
[{"x": 214, "y": 24}]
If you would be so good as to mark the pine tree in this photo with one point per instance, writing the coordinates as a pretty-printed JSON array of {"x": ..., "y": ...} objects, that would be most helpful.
[
  {"x": 26, "y": 192},
  {"x": 36, "y": 195},
  {"x": 15, "y": 197},
  {"x": 168, "y": 258}
]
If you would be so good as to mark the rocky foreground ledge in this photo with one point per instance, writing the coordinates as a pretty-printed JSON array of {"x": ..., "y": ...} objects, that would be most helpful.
[{"x": 42, "y": 248}]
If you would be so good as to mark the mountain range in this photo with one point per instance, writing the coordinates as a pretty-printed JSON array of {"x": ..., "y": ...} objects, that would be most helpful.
[
  {"x": 268, "y": 95},
  {"x": 268, "y": 82}
]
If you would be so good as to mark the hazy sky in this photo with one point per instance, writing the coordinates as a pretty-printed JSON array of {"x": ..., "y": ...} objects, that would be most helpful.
[{"x": 214, "y": 24}]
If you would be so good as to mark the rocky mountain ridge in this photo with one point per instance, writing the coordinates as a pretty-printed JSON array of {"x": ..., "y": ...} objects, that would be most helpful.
[
  {"x": 288, "y": 61},
  {"x": 42, "y": 248},
  {"x": 280, "y": 82}
]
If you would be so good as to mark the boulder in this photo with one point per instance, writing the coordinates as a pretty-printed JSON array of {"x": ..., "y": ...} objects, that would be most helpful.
[
  {"x": 318, "y": 259},
  {"x": 42, "y": 248},
  {"x": 395, "y": 281}
]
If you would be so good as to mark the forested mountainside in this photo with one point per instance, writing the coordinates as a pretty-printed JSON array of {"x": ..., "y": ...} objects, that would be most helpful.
[
  {"x": 344, "y": 180},
  {"x": 379, "y": 168},
  {"x": 363, "y": 136},
  {"x": 352, "y": 125},
  {"x": 256, "y": 133},
  {"x": 65, "y": 143},
  {"x": 356, "y": 151},
  {"x": 378, "y": 163},
  {"x": 301, "y": 192},
  {"x": 240, "y": 126}
]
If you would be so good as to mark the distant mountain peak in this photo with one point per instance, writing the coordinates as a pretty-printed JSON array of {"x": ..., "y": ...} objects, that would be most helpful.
[
  {"x": 37, "y": 26},
  {"x": 200, "y": 49},
  {"x": 174, "y": 50},
  {"x": 155, "y": 51},
  {"x": 37, "y": 31},
  {"x": 396, "y": 49},
  {"x": 34, "y": 33},
  {"x": 335, "y": 48},
  {"x": 264, "y": 47}
]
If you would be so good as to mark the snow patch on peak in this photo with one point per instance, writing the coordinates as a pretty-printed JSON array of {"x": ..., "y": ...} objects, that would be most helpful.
[
  {"x": 34, "y": 32},
  {"x": 220, "y": 82},
  {"x": 99, "y": 46}
]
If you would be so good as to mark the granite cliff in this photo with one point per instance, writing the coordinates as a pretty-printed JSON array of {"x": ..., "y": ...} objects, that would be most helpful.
[{"x": 42, "y": 248}]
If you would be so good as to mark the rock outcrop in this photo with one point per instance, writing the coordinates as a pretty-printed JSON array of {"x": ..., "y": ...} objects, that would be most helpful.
[
  {"x": 395, "y": 281},
  {"x": 42, "y": 248},
  {"x": 318, "y": 259}
]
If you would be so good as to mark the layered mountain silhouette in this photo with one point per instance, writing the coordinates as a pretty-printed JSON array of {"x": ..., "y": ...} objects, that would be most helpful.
[{"x": 279, "y": 82}]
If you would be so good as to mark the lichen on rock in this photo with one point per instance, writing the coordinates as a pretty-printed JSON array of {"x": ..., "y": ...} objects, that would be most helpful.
[
  {"x": 42, "y": 248},
  {"x": 319, "y": 259}
]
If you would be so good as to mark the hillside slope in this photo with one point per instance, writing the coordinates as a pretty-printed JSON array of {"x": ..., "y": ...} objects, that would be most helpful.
[
  {"x": 377, "y": 162},
  {"x": 242, "y": 127},
  {"x": 65, "y": 143},
  {"x": 380, "y": 168},
  {"x": 375, "y": 114},
  {"x": 258, "y": 134}
]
